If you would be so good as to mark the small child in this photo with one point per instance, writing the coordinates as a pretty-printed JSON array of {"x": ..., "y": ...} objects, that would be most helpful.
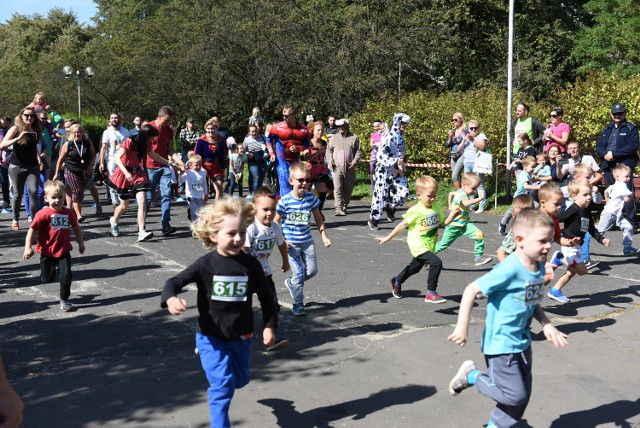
[
  {"x": 262, "y": 235},
  {"x": 54, "y": 240},
  {"x": 542, "y": 170},
  {"x": 612, "y": 214},
  {"x": 524, "y": 186},
  {"x": 423, "y": 220},
  {"x": 39, "y": 104},
  {"x": 458, "y": 223},
  {"x": 237, "y": 160},
  {"x": 226, "y": 279},
  {"x": 508, "y": 245},
  {"x": 255, "y": 119},
  {"x": 196, "y": 188},
  {"x": 577, "y": 222},
  {"x": 514, "y": 289},
  {"x": 294, "y": 212},
  {"x": 526, "y": 149}
]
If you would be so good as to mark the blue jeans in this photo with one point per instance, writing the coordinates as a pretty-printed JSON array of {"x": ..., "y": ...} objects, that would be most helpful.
[
  {"x": 194, "y": 205},
  {"x": 304, "y": 265},
  {"x": 161, "y": 177},
  {"x": 233, "y": 182},
  {"x": 226, "y": 365},
  {"x": 468, "y": 167},
  {"x": 256, "y": 175}
]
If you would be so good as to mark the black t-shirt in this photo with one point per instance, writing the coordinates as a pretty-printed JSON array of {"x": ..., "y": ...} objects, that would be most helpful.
[
  {"x": 577, "y": 222},
  {"x": 225, "y": 289},
  {"x": 25, "y": 155}
]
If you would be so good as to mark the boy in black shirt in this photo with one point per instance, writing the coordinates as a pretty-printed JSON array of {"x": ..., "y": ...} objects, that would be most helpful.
[
  {"x": 226, "y": 279},
  {"x": 577, "y": 222}
]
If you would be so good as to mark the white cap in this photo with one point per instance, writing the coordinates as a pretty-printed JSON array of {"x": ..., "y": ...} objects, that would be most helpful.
[
  {"x": 309, "y": 117},
  {"x": 341, "y": 122},
  {"x": 405, "y": 118}
]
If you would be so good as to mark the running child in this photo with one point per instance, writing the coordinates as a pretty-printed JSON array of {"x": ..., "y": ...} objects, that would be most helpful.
[
  {"x": 294, "y": 211},
  {"x": 612, "y": 214},
  {"x": 577, "y": 222},
  {"x": 514, "y": 289},
  {"x": 508, "y": 245},
  {"x": 196, "y": 187},
  {"x": 237, "y": 161},
  {"x": 226, "y": 279},
  {"x": 262, "y": 236},
  {"x": 52, "y": 224},
  {"x": 458, "y": 223},
  {"x": 423, "y": 220},
  {"x": 524, "y": 186}
]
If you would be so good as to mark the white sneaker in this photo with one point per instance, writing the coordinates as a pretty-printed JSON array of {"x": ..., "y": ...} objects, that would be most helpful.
[
  {"x": 115, "y": 230},
  {"x": 479, "y": 261},
  {"x": 144, "y": 235}
]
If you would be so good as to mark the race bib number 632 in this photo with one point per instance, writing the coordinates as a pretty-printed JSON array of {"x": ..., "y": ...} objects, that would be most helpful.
[{"x": 229, "y": 288}]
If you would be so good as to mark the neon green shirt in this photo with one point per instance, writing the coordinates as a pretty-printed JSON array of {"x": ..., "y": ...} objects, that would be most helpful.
[
  {"x": 423, "y": 227},
  {"x": 461, "y": 219},
  {"x": 522, "y": 126}
]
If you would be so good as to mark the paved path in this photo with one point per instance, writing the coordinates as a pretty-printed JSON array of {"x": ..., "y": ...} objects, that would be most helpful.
[{"x": 360, "y": 357}]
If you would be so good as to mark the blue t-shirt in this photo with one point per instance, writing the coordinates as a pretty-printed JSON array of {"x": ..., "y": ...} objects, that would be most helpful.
[
  {"x": 512, "y": 293},
  {"x": 296, "y": 216},
  {"x": 523, "y": 178}
]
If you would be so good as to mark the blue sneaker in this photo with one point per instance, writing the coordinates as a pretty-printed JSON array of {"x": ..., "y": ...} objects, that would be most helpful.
[
  {"x": 556, "y": 259},
  {"x": 557, "y": 295},
  {"x": 298, "y": 310},
  {"x": 630, "y": 251},
  {"x": 181, "y": 200},
  {"x": 6, "y": 211}
]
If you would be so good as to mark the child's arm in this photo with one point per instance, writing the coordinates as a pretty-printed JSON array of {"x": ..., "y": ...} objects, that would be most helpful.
[
  {"x": 78, "y": 233},
  {"x": 321, "y": 227},
  {"x": 28, "y": 251},
  {"x": 501, "y": 254},
  {"x": 450, "y": 198},
  {"x": 451, "y": 216},
  {"x": 172, "y": 287},
  {"x": 528, "y": 186},
  {"x": 552, "y": 334},
  {"x": 399, "y": 228},
  {"x": 466, "y": 202},
  {"x": 285, "y": 256},
  {"x": 460, "y": 333}
]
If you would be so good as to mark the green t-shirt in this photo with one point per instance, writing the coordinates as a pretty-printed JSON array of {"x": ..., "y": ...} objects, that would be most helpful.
[
  {"x": 461, "y": 219},
  {"x": 423, "y": 227},
  {"x": 522, "y": 126}
]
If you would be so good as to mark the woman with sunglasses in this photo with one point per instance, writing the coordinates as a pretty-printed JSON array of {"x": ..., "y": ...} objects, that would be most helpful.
[
  {"x": 456, "y": 136},
  {"x": 212, "y": 148},
  {"x": 24, "y": 166},
  {"x": 557, "y": 132}
]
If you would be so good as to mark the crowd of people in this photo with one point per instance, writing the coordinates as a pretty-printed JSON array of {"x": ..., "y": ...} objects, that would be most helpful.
[{"x": 556, "y": 184}]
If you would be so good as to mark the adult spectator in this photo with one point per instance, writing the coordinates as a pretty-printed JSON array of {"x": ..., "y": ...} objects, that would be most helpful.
[
  {"x": 77, "y": 155},
  {"x": 160, "y": 160},
  {"x": 212, "y": 148},
  {"x": 391, "y": 189},
  {"x": 137, "y": 123},
  {"x": 576, "y": 158},
  {"x": 475, "y": 141},
  {"x": 47, "y": 141},
  {"x": 525, "y": 123},
  {"x": 331, "y": 128},
  {"x": 316, "y": 157},
  {"x": 286, "y": 140},
  {"x": 5, "y": 157},
  {"x": 11, "y": 406},
  {"x": 556, "y": 162},
  {"x": 618, "y": 143},
  {"x": 374, "y": 142},
  {"x": 188, "y": 137},
  {"x": 24, "y": 166},
  {"x": 455, "y": 137},
  {"x": 112, "y": 138},
  {"x": 557, "y": 132},
  {"x": 255, "y": 147},
  {"x": 344, "y": 154}
]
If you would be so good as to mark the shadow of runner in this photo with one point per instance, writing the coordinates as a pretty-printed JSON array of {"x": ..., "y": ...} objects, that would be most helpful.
[
  {"x": 618, "y": 413},
  {"x": 288, "y": 416}
]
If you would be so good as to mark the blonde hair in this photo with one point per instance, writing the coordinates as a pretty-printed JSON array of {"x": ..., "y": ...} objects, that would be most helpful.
[
  {"x": 38, "y": 94},
  {"x": 298, "y": 167},
  {"x": 528, "y": 160},
  {"x": 471, "y": 179},
  {"x": 195, "y": 158},
  {"x": 577, "y": 184},
  {"x": 521, "y": 202},
  {"x": 582, "y": 171},
  {"x": 530, "y": 218},
  {"x": 460, "y": 117},
  {"x": 212, "y": 215},
  {"x": 426, "y": 181},
  {"x": 53, "y": 186},
  {"x": 548, "y": 190},
  {"x": 620, "y": 168}
]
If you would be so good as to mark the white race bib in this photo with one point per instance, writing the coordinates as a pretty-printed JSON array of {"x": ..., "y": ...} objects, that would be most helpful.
[
  {"x": 230, "y": 288},
  {"x": 584, "y": 224},
  {"x": 299, "y": 217},
  {"x": 60, "y": 221},
  {"x": 534, "y": 291},
  {"x": 196, "y": 187}
]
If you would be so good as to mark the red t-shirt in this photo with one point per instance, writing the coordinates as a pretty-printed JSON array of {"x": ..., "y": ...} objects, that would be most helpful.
[
  {"x": 53, "y": 227},
  {"x": 557, "y": 233},
  {"x": 159, "y": 145}
]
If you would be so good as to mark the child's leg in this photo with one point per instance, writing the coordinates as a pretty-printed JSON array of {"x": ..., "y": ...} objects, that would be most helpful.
[
  {"x": 64, "y": 265},
  {"x": 232, "y": 182},
  {"x": 508, "y": 382},
  {"x": 585, "y": 246},
  {"x": 411, "y": 269},
  {"x": 276, "y": 304},
  {"x": 47, "y": 268},
  {"x": 435, "y": 267},
  {"x": 309, "y": 259},
  {"x": 296, "y": 282},
  {"x": 627, "y": 233},
  {"x": 607, "y": 220},
  {"x": 240, "y": 185},
  {"x": 450, "y": 234},
  {"x": 226, "y": 365},
  {"x": 507, "y": 217},
  {"x": 579, "y": 269},
  {"x": 142, "y": 210},
  {"x": 472, "y": 232}
]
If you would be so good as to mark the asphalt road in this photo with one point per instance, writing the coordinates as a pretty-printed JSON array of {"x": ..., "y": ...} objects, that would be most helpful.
[{"x": 359, "y": 357}]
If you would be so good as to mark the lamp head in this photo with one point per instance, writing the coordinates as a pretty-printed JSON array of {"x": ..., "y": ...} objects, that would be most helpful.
[
  {"x": 67, "y": 70},
  {"x": 89, "y": 71}
]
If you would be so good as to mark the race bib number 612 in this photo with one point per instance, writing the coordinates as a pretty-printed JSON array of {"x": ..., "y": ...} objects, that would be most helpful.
[{"x": 229, "y": 288}]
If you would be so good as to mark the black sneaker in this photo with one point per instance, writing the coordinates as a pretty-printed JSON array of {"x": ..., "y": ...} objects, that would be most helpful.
[
  {"x": 502, "y": 229},
  {"x": 373, "y": 224},
  {"x": 279, "y": 345},
  {"x": 168, "y": 230},
  {"x": 390, "y": 213},
  {"x": 590, "y": 264},
  {"x": 396, "y": 289}
]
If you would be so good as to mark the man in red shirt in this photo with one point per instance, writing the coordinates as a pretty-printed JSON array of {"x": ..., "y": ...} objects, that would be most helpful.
[{"x": 160, "y": 159}]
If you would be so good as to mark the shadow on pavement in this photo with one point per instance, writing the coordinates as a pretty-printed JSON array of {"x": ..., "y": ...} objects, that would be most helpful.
[{"x": 616, "y": 413}]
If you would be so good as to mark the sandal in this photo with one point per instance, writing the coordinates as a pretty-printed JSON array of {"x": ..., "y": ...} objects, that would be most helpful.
[{"x": 15, "y": 226}]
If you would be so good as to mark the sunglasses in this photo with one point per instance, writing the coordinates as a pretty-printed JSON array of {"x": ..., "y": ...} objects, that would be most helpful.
[
  {"x": 286, "y": 116},
  {"x": 473, "y": 128},
  {"x": 553, "y": 116},
  {"x": 209, "y": 131},
  {"x": 303, "y": 180},
  {"x": 28, "y": 116},
  {"x": 454, "y": 120}
]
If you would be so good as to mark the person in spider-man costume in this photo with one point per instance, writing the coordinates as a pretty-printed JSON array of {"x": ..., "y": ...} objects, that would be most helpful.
[{"x": 287, "y": 141}]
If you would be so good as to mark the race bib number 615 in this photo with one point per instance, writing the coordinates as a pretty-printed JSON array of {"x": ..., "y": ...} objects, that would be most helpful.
[{"x": 229, "y": 288}]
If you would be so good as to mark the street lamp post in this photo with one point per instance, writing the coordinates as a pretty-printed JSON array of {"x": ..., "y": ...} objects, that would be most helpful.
[{"x": 87, "y": 73}]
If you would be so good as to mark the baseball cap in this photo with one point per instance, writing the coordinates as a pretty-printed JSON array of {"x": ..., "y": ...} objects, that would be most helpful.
[{"x": 618, "y": 108}]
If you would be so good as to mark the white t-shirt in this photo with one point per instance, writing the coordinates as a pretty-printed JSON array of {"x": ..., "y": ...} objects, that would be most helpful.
[
  {"x": 585, "y": 159},
  {"x": 112, "y": 138},
  {"x": 196, "y": 183},
  {"x": 261, "y": 240},
  {"x": 617, "y": 192}
]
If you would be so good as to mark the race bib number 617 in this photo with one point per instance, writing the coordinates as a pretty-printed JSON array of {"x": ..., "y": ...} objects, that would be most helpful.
[{"x": 229, "y": 288}]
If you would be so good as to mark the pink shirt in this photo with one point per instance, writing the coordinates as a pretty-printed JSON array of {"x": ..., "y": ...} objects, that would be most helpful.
[{"x": 557, "y": 131}]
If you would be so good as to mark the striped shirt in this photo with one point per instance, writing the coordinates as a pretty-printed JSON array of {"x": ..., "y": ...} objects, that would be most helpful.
[{"x": 296, "y": 215}]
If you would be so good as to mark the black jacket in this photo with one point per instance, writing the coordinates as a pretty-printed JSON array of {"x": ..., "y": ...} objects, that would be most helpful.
[{"x": 626, "y": 151}]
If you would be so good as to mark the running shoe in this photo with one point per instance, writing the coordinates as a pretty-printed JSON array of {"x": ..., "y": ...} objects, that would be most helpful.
[
  {"x": 298, "y": 310},
  {"x": 557, "y": 295},
  {"x": 144, "y": 235},
  {"x": 373, "y": 224},
  {"x": 278, "y": 345},
  {"x": 434, "y": 297},
  {"x": 502, "y": 229},
  {"x": 590, "y": 264},
  {"x": 66, "y": 305},
  {"x": 479, "y": 260},
  {"x": 396, "y": 288},
  {"x": 460, "y": 381},
  {"x": 630, "y": 251},
  {"x": 556, "y": 259},
  {"x": 115, "y": 229},
  {"x": 287, "y": 283}
]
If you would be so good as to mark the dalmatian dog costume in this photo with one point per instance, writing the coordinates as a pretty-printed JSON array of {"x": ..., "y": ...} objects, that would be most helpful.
[{"x": 391, "y": 188}]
